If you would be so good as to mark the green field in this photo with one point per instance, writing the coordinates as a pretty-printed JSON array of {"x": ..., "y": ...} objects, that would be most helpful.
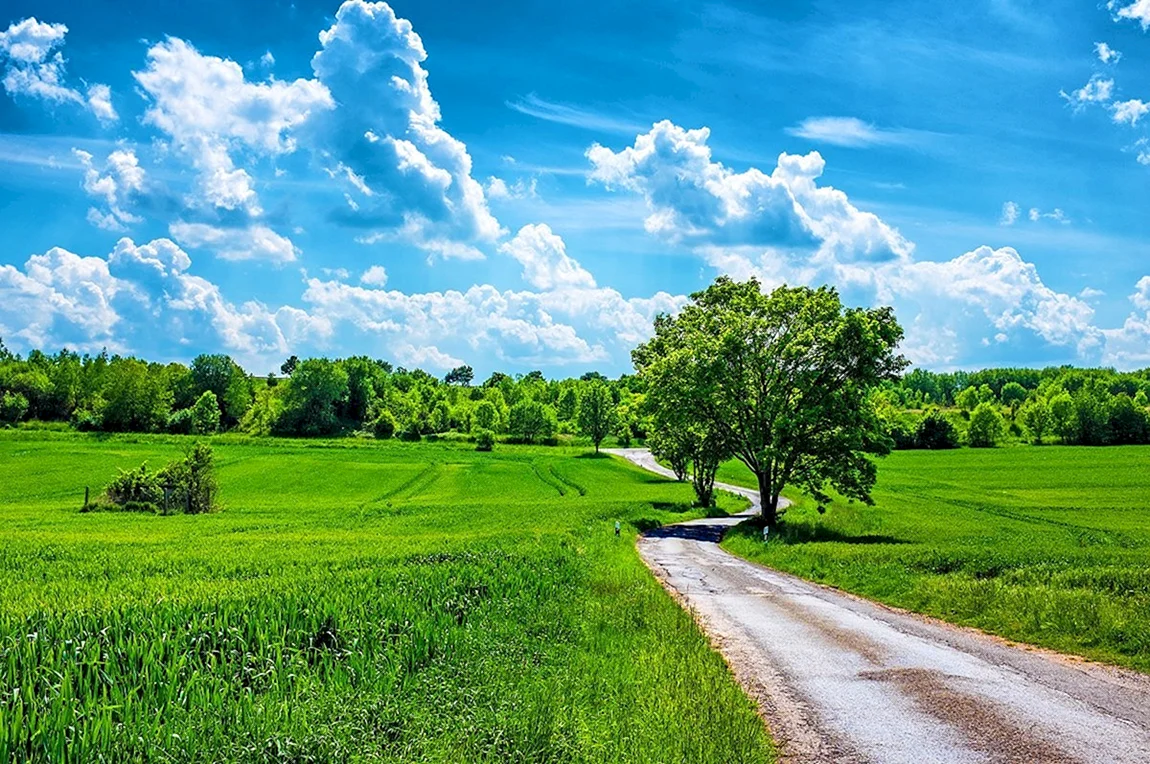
[
  {"x": 353, "y": 601},
  {"x": 1048, "y": 545}
]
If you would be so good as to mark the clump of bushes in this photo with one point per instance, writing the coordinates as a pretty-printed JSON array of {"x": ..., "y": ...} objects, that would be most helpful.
[
  {"x": 186, "y": 485},
  {"x": 384, "y": 426},
  {"x": 13, "y": 408},
  {"x": 484, "y": 440},
  {"x": 986, "y": 426},
  {"x": 935, "y": 431}
]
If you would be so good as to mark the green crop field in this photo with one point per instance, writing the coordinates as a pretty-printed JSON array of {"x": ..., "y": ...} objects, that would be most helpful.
[
  {"x": 353, "y": 601},
  {"x": 1048, "y": 545}
]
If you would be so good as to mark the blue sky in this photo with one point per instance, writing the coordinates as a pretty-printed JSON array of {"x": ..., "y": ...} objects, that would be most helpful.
[{"x": 525, "y": 185}]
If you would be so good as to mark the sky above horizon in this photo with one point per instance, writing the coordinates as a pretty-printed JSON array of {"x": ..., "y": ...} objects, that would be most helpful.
[{"x": 526, "y": 185}]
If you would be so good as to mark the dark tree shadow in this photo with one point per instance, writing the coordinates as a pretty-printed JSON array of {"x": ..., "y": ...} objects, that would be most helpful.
[
  {"x": 692, "y": 532},
  {"x": 813, "y": 534}
]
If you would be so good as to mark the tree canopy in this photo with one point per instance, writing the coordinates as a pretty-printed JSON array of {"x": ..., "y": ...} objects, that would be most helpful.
[{"x": 782, "y": 380}]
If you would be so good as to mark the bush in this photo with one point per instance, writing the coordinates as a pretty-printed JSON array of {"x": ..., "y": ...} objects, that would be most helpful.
[
  {"x": 935, "y": 431},
  {"x": 180, "y": 422},
  {"x": 530, "y": 420},
  {"x": 86, "y": 420},
  {"x": 484, "y": 440},
  {"x": 13, "y": 408},
  {"x": 985, "y": 426},
  {"x": 485, "y": 416},
  {"x": 206, "y": 414},
  {"x": 187, "y": 484},
  {"x": 384, "y": 426}
]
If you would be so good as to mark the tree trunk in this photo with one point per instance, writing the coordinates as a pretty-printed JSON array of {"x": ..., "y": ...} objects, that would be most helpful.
[{"x": 768, "y": 500}]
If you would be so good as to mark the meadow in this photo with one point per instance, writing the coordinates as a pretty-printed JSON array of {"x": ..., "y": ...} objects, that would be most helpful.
[
  {"x": 353, "y": 601},
  {"x": 1048, "y": 545}
]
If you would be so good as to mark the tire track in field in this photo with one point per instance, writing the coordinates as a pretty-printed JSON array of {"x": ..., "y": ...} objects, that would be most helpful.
[{"x": 842, "y": 679}]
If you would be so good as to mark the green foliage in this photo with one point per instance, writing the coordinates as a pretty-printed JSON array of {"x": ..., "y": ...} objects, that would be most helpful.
[
  {"x": 485, "y": 416},
  {"x": 986, "y": 426},
  {"x": 13, "y": 408},
  {"x": 460, "y": 375},
  {"x": 568, "y": 407},
  {"x": 935, "y": 432},
  {"x": 597, "y": 415},
  {"x": 1038, "y": 418},
  {"x": 782, "y": 381},
  {"x": 484, "y": 440},
  {"x": 263, "y": 415},
  {"x": 967, "y": 399},
  {"x": 227, "y": 381},
  {"x": 135, "y": 398},
  {"x": 1013, "y": 395},
  {"x": 384, "y": 426},
  {"x": 205, "y": 416},
  {"x": 530, "y": 419},
  {"x": 185, "y": 485},
  {"x": 361, "y": 600},
  {"x": 672, "y": 447},
  {"x": 317, "y": 389}
]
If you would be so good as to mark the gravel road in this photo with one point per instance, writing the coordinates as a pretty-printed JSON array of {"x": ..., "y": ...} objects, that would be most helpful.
[{"x": 842, "y": 679}]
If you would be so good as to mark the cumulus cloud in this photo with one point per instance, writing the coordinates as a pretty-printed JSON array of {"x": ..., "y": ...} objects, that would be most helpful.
[
  {"x": 1139, "y": 11},
  {"x": 425, "y": 357},
  {"x": 543, "y": 255},
  {"x": 114, "y": 185},
  {"x": 386, "y": 132},
  {"x": 251, "y": 242},
  {"x": 1129, "y": 112},
  {"x": 210, "y": 109},
  {"x": 375, "y": 276},
  {"x": 36, "y": 69}
]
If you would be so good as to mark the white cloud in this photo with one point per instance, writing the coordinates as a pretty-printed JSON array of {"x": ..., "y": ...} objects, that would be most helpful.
[
  {"x": 497, "y": 188},
  {"x": 1139, "y": 11},
  {"x": 210, "y": 109},
  {"x": 1106, "y": 54},
  {"x": 427, "y": 356},
  {"x": 1129, "y": 112},
  {"x": 575, "y": 116},
  {"x": 386, "y": 132},
  {"x": 1036, "y": 215},
  {"x": 32, "y": 68},
  {"x": 546, "y": 264},
  {"x": 1128, "y": 346},
  {"x": 848, "y": 131},
  {"x": 116, "y": 185},
  {"x": 694, "y": 199},
  {"x": 1098, "y": 89},
  {"x": 1010, "y": 213},
  {"x": 375, "y": 276},
  {"x": 251, "y": 242}
]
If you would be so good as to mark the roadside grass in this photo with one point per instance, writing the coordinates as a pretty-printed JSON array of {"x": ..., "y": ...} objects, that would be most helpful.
[
  {"x": 354, "y": 601},
  {"x": 1047, "y": 545}
]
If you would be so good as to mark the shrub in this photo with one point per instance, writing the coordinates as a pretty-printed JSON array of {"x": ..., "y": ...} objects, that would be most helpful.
[
  {"x": 384, "y": 426},
  {"x": 935, "y": 431},
  {"x": 485, "y": 416},
  {"x": 206, "y": 414},
  {"x": 187, "y": 484},
  {"x": 138, "y": 487},
  {"x": 180, "y": 422},
  {"x": 484, "y": 440},
  {"x": 13, "y": 408},
  {"x": 86, "y": 420},
  {"x": 985, "y": 426}
]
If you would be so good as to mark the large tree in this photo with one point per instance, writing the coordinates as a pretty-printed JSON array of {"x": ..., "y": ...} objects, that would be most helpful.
[{"x": 783, "y": 378}]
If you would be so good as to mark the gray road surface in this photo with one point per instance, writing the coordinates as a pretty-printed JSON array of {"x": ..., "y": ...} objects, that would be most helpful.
[{"x": 843, "y": 679}]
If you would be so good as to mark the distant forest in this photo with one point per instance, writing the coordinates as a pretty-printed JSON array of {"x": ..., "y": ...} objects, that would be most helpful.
[{"x": 322, "y": 397}]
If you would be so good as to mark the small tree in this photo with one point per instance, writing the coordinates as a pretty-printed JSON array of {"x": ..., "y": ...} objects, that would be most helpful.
[
  {"x": 1038, "y": 418},
  {"x": 288, "y": 366},
  {"x": 1063, "y": 418},
  {"x": 205, "y": 415},
  {"x": 383, "y": 428},
  {"x": 485, "y": 416},
  {"x": 1013, "y": 395},
  {"x": 13, "y": 408},
  {"x": 530, "y": 420},
  {"x": 935, "y": 431},
  {"x": 967, "y": 399},
  {"x": 568, "y": 405},
  {"x": 672, "y": 448},
  {"x": 484, "y": 440},
  {"x": 460, "y": 375},
  {"x": 986, "y": 426},
  {"x": 597, "y": 413}
]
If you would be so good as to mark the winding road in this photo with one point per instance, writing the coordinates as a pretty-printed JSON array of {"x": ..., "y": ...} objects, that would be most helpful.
[{"x": 842, "y": 679}]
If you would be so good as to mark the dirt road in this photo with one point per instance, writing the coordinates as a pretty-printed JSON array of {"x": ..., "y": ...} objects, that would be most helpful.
[{"x": 842, "y": 679}]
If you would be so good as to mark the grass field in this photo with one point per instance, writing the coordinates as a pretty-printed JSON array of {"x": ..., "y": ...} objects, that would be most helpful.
[
  {"x": 354, "y": 601},
  {"x": 1048, "y": 545}
]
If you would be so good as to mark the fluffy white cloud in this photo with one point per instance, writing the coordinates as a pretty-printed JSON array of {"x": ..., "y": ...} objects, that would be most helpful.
[
  {"x": 425, "y": 357},
  {"x": 1129, "y": 112},
  {"x": 32, "y": 68},
  {"x": 1010, "y": 213},
  {"x": 1129, "y": 345},
  {"x": 694, "y": 199},
  {"x": 210, "y": 109},
  {"x": 251, "y": 242},
  {"x": 375, "y": 276},
  {"x": 543, "y": 255},
  {"x": 115, "y": 185},
  {"x": 1139, "y": 11},
  {"x": 497, "y": 188},
  {"x": 1106, "y": 54},
  {"x": 386, "y": 132}
]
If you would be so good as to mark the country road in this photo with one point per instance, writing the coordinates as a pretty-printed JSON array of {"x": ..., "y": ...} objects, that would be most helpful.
[{"x": 842, "y": 679}]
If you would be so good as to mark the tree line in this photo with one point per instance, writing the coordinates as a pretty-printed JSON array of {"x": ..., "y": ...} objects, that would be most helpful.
[{"x": 312, "y": 397}]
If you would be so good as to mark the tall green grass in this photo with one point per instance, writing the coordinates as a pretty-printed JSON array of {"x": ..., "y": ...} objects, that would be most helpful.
[
  {"x": 1048, "y": 545},
  {"x": 353, "y": 602}
]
